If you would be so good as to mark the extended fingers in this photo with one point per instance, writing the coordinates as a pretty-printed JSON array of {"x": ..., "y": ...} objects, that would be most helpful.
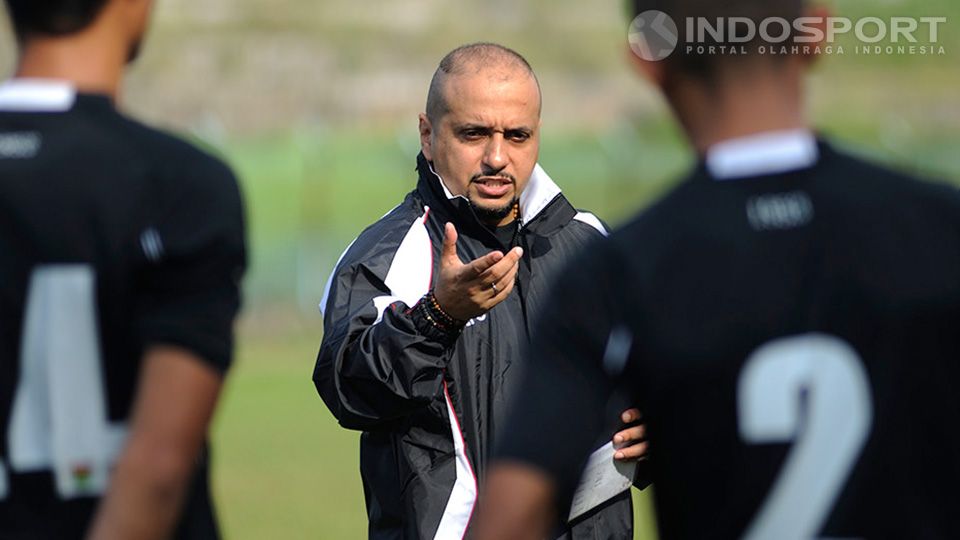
[
  {"x": 501, "y": 289},
  {"x": 478, "y": 266},
  {"x": 498, "y": 271},
  {"x": 489, "y": 279},
  {"x": 493, "y": 294}
]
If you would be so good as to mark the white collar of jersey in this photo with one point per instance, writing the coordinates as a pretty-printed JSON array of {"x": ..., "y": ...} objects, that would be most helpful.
[
  {"x": 770, "y": 152},
  {"x": 540, "y": 190},
  {"x": 37, "y": 95}
]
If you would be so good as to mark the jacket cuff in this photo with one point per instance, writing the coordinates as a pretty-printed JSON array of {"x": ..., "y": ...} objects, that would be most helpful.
[{"x": 429, "y": 325}]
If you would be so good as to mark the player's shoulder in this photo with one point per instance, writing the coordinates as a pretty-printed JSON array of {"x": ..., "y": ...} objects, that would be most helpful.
[
  {"x": 892, "y": 188},
  {"x": 176, "y": 160},
  {"x": 663, "y": 215},
  {"x": 599, "y": 259},
  {"x": 839, "y": 162},
  {"x": 187, "y": 180}
]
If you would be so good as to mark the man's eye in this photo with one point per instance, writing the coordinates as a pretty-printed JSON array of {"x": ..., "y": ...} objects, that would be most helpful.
[
  {"x": 471, "y": 134},
  {"x": 518, "y": 136}
]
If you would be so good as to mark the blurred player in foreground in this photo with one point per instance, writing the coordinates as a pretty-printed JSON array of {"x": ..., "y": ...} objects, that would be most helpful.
[
  {"x": 121, "y": 253},
  {"x": 786, "y": 318}
]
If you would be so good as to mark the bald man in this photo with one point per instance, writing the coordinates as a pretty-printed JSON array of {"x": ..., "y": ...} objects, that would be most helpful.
[{"x": 430, "y": 307}]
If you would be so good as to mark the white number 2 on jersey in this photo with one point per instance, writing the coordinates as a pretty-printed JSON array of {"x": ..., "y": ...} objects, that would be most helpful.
[
  {"x": 59, "y": 416},
  {"x": 829, "y": 427}
]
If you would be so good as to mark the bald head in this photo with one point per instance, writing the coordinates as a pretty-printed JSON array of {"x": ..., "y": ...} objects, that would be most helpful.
[
  {"x": 495, "y": 60},
  {"x": 481, "y": 129}
]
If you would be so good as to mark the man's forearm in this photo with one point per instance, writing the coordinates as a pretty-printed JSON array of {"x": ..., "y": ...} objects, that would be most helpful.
[
  {"x": 146, "y": 493},
  {"x": 174, "y": 404}
]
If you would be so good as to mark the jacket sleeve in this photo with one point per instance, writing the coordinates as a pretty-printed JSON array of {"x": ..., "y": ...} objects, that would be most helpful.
[{"x": 379, "y": 359}]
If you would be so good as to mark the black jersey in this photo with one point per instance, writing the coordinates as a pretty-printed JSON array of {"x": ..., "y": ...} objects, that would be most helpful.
[
  {"x": 792, "y": 341},
  {"x": 113, "y": 237}
]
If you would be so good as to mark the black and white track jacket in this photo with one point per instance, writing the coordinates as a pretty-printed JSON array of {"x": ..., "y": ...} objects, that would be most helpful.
[{"x": 428, "y": 411}]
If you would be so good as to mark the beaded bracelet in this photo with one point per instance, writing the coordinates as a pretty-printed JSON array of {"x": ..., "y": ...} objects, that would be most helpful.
[
  {"x": 439, "y": 325},
  {"x": 437, "y": 317},
  {"x": 440, "y": 313}
]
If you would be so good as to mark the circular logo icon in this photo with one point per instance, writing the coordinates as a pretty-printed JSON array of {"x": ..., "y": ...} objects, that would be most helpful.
[{"x": 653, "y": 35}]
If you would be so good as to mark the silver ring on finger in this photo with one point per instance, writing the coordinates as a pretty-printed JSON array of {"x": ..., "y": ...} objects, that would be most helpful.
[{"x": 494, "y": 287}]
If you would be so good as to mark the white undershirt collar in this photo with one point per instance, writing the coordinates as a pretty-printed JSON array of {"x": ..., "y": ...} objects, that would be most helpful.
[
  {"x": 770, "y": 152},
  {"x": 37, "y": 95}
]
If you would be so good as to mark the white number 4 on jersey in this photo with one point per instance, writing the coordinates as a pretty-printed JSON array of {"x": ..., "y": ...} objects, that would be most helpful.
[{"x": 59, "y": 417}]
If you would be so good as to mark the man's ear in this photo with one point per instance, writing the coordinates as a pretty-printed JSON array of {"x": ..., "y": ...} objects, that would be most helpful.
[
  {"x": 426, "y": 137},
  {"x": 136, "y": 14},
  {"x": 653, "y": 72}
]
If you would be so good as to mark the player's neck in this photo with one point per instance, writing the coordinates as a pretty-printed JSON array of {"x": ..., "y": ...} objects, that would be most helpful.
[
  {"x": 92, "y": 62},
  {"x": 740, "y": 106}
]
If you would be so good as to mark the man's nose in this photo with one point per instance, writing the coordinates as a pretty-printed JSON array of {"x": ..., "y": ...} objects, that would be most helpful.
[{"x": 495, "y": 157}]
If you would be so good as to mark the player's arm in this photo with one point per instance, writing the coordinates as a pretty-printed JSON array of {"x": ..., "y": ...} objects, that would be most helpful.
[
  {"x": 552, "y": 428},
  {"x": 560, "y": 408},
  {"x": 186, "y": 300},
  {"x": 630, "y": 439},
  {"x": 176, "y": 397},
  {"x": 370, "y": 372}
]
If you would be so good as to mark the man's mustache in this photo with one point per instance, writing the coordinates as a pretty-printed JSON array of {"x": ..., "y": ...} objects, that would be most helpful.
[{"x": 501, "y": 176}]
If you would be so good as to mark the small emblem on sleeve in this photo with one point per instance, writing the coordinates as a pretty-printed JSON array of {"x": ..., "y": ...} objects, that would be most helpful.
[{"x": 152, "y": 244}]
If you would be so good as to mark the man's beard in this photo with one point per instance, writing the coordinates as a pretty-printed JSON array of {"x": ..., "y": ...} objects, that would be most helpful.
[{"x": 492, "y": 216}]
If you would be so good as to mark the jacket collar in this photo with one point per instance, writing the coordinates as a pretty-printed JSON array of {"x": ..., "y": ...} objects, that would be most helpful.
[{"x": 541, "y": 190}]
